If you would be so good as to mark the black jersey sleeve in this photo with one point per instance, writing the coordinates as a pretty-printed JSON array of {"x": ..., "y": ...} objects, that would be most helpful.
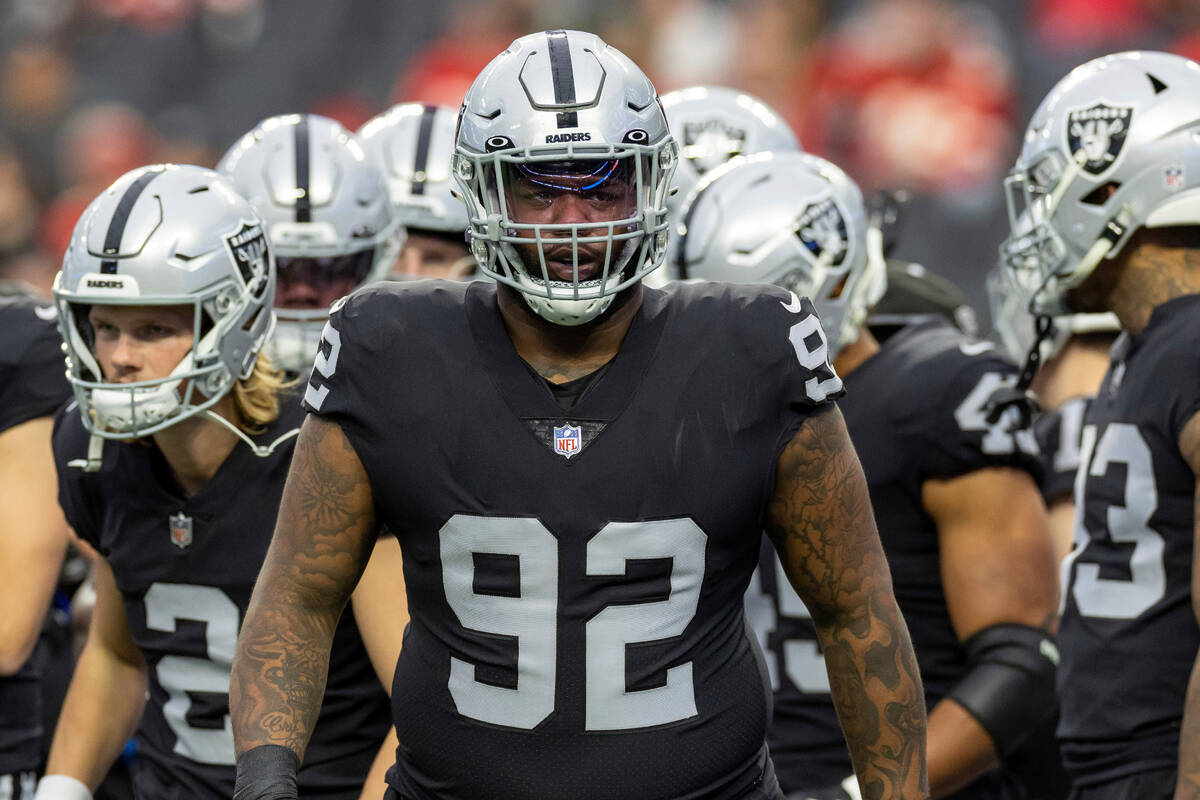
[
  {"x": 960, "y": 381},
  {"x": 1059, "y": 436},
  {"x": 76, "y": 493},
  {"x": 797, "y": 351},
  {"x": 33, "y": 379},
  {"x": 340, "y": 385}
]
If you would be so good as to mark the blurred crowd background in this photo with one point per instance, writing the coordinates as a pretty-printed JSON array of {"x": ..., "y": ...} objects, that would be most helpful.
[{"x": 924, "y": 95}]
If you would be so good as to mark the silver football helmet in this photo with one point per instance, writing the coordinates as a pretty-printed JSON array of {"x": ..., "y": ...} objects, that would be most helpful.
[
  {"x": 791, "y": 219},
  {"x": 328, "y": 216},
  {"x": 1112, "y": 148},
  {"x": 712, "y": 125},
  {"x": 413, "y": 144},
  {"x": 564, "y": 159},
  {"x": 166, "y": 235}
]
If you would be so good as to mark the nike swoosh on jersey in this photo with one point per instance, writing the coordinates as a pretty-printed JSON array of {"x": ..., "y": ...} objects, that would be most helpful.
[
  {"x": 792, "y": 306},
  {"x": 976, "y": 348},
  {"x": 47, "y": 313}
]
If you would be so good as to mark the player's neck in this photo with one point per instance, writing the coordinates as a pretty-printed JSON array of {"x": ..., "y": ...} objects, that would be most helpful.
[
  {"x": 196, "y": 447},
  {"x": 1075, "y": 372},
  {"x": 1152, "y": 276},
  {"x": 852, "y": 356},
  {"x": 561, "y": 353}
]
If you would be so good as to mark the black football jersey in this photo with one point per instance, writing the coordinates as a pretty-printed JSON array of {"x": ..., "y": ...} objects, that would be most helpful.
[
  {"x": 1128, "y": 635},
  {"x": 185, "y": 567},
  {"x": 916, "y": 411},
  {"x": 1059, "y": 435},
  {"x": 575, "y": 578},
  {"x": 32, "y": 384}
]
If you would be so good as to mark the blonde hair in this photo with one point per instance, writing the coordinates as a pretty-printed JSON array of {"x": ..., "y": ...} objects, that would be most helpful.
[{"x": 256, "y": 398}]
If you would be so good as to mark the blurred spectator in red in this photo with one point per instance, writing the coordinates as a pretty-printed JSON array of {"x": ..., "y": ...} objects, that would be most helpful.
[
  {"x": 775, "y": 46},
  {"x": 677, "y": 42},
  {"x": 912, "y": 94},
  {"x": 475, "y": 32},
  {"x": 150, "y": 15},
  {"x": 99, "y": 144},
  {"x": 1088, "y": 25}
]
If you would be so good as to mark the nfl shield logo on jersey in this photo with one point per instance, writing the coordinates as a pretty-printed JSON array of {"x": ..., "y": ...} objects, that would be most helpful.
[
  {"x": 181, "y": 530},
  {"x": 567, "y": 440}
]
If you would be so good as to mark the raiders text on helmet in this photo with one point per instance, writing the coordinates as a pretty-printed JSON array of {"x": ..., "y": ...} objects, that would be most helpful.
[
  {"x": 163, "y": 236},
  {"x": 562, "y": 120},
  {"x": 1112, "y": 148}
]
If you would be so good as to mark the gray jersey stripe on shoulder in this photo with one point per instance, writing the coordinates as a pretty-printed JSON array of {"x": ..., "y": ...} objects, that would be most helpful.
[
  {"x": 120, "y": 218},
  {"x": 563, "y": 75},
  {"x": 303, "y": 202},
  {"x": 421, "y": 159}
]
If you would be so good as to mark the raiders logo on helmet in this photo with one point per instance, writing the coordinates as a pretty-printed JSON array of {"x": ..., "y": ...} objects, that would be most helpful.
[
  {"x": 822, "y": 229},
  {"x": 710, "y": 143},
  {"x": 1100, "y": 131},
  {"x": 249, "y": 249}
]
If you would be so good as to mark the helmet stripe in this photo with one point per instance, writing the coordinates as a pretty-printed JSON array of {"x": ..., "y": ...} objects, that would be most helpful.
[
  {"x": 303, "y": 203},
  {"x": 120, "y": 218},
  {"x": 563, "y": 74},
  {"x": 421, "y": 161}
]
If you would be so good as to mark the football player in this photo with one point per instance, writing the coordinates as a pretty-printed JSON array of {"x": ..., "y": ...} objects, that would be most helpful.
[
  {"x": 1106, "y": 218},
  {"x": 171, "y": 464},
  {"x": 33, "y": 534},
  {"x": 958, "y": 510},
  {"x": 577, "y": 469},
  {"x": 328, "y": 217},
  {"x": 713, "y": 124},
  {"x": 1071, "y": 361},
  {"x": 412, "y": 144}
]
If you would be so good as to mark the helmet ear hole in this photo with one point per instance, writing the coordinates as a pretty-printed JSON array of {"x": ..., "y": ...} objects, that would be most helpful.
[{"x": 1101, "y": 194}]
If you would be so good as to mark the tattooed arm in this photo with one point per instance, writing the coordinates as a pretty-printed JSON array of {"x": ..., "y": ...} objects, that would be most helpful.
[
  {"x": 1188, "y": 784},
  {"x": 323, "y": 538},
  {"x": 821, "y": 522}
]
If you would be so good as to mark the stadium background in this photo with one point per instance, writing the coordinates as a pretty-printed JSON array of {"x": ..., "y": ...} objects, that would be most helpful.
[{"x": 925, "y": 95}]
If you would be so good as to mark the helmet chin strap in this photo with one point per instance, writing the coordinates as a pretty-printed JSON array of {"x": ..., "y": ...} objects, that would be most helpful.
[{"x": 262, "y": 451}]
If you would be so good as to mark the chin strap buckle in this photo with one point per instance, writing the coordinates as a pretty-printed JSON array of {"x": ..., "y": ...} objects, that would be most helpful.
[{"x": 1018, "y": 396}]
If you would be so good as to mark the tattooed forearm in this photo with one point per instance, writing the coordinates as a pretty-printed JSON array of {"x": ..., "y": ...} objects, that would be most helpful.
[
  {"x": 321, "y": 544},
  {"x": 821, "y": 522}
]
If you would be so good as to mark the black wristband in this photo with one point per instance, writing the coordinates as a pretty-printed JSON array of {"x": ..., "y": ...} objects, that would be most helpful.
[{"x": 267, "y": 772}]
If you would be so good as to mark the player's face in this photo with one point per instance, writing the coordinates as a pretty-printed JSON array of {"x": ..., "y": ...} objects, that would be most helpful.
[
  {"x": 317, "y": 282},
  {"x": 430, "y": 255},
  {"x": 570, "y": 192},
  {"x": 140, "y": 343}
]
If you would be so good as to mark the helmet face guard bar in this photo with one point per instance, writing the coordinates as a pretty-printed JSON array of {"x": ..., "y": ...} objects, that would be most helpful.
[
  {"x": 640, "y": 229},
  {"x": 140, "y": 408}
]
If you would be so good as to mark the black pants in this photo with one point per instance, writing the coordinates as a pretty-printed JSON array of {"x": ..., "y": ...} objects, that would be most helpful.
[{"x": 1157, "y": 784}]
